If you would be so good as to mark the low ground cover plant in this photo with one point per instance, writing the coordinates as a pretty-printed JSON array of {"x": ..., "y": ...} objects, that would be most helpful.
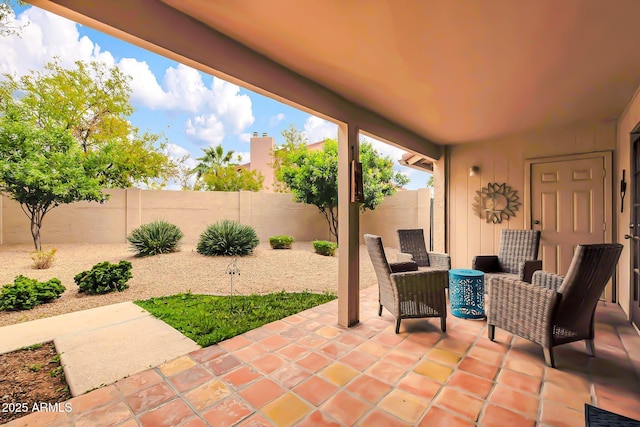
[
  {"x": 104, "y": 277},
  {"x": 25, "y": 293},
  {"x": 324, "y": 247},
  {"x": 157, "y": 237},
  {"x": 227, "y": 238},
  {"x": 208, "y": 319},
  {"x": 280, "y": 242},
  {"x": 43, "y": 259}
]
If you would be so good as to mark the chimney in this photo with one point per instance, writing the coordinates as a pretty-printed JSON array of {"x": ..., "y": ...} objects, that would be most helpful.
[{"x": 261, "y": 158}]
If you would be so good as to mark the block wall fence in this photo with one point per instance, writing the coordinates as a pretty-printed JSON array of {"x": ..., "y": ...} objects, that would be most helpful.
[{"x": 269, "y": 213}]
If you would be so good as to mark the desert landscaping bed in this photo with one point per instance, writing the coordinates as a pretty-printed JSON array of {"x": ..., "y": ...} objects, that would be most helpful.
[
  {"x": 31, "y": 380},
  {"x": 267, "y": 270}
]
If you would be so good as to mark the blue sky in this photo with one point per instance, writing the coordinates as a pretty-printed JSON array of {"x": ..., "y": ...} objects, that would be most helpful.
[{"x": 194, "y": 110}]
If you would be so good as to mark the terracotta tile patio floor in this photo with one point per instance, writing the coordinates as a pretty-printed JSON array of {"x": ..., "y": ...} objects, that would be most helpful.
[{"x": 306, "y": 371}]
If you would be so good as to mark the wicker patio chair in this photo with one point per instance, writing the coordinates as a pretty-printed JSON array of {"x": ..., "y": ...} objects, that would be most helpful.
[
  {"x": 554, "y": 310},
  {"x": 404, "y": 290},
  {"x": 413, "y": 247},
  {"x": 516, "y": 259}
]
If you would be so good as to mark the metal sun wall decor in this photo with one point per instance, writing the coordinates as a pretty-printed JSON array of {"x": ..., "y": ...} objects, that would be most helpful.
[{"x": 496, "y": 202}]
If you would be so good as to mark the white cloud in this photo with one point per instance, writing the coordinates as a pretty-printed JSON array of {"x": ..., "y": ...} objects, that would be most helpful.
[
  {"x": 386, "y": 150},
  {"x": 43, "y": 37},
  {"x": 185, "y": 89},
  {"x": 234, "y": 109},
  {"x": 245, "y": 137},
  {"x": 229, "y": 111},
  {"x": 318, "y": 129},
  {"x": 178, "y": 153},
  {"x": 274, "y": 120},
  {"x": 46, "y": 35},
  {"x": 205, "y": 128},
  {"x": 244, "y": 155},
  {"x": 144, "y": 86}
]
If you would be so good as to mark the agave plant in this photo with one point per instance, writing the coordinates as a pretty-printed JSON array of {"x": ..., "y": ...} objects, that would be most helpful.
[
  {"x": 157, "y": 237},
  {"x": 228, "y": 238}
]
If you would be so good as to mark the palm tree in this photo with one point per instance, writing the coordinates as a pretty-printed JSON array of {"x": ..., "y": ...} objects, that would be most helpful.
[{"x": 213, "y": 160}]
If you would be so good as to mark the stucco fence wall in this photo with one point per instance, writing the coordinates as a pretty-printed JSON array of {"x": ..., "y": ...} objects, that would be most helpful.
[{"x": 269, "y": 213}]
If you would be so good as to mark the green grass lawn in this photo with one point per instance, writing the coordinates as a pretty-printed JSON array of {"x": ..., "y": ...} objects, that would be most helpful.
[{"x": 208, "y": 319}]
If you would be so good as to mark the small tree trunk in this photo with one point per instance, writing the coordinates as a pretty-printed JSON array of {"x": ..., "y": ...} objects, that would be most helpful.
[
  {"x": 332, "y": 221},
  {"x": 334, "y": 224},
  {"x": 36, "y": 215},
  {"x": 35, "y": 232}
]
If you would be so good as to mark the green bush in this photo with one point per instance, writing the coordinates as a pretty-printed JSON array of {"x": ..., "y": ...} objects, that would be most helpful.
[
  {"x": 324, "y": 247},
  {"x": 157, "y": 237},
  {"x": 280, "y": 242},
  {"x": 227, "y": 238},
  {"x": 25, "y": 293},
  {"x": 104, "y": 277}
]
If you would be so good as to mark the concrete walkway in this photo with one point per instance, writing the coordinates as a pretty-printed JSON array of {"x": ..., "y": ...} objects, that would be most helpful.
[{"x": 103, "y": 344}]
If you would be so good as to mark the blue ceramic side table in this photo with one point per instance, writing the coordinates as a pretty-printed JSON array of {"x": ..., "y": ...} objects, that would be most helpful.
[{"x": 466, "y": 293}]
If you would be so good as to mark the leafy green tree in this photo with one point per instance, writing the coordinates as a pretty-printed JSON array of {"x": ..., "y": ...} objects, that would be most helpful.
[
  {"x": 92, "y": 102},
  {"x": 312, "y": 178},
  {"x": 379, "y": 178},
  {"x": 233, "y": 178},
  {"x": 294, "y": 140},
  {"x": 42, "y": 169},
  {"x": 216, "y": 172},
  {"x": 430, "y": 182}
]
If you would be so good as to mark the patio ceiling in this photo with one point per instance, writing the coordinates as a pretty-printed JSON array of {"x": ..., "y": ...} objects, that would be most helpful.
[
  {"x": 453, "y": 71},
  {"x": 449, "y": 71}
]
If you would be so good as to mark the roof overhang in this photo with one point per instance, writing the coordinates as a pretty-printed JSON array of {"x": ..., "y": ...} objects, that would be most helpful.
[{"x": 419, "y": 74}]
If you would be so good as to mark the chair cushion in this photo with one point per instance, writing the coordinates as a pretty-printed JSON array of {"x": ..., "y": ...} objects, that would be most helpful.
[{"x": 400, "y": 267}]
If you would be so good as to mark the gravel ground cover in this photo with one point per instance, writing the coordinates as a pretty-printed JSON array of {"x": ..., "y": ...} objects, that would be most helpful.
[{"x": 265, "y": 271}]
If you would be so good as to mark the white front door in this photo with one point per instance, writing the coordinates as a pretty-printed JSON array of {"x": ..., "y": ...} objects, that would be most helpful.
[{"x": 567, "y": 207}]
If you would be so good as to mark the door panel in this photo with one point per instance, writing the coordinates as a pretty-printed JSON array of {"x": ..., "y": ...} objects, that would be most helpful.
[
  {"x": 567, "y": 199},
  {"x": 582, "y": 221}
]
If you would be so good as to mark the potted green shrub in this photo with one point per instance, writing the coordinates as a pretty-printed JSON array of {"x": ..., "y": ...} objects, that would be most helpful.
[
  {"x": 281, "y": 242},
  {"x": 324, "y": 247}
]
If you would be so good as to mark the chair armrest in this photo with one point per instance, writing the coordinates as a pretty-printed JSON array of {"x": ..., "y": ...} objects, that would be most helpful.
[
  {"x": 439, "y": 260},
  {"x": 486, "y": 263},
  {"x": 522, "y": 309},
  {"x": 403, "y": 257},
  {"x": 527, "y": 268},
  {"x": 399, "y": 267},
  {"x": 547, "y": 280}
]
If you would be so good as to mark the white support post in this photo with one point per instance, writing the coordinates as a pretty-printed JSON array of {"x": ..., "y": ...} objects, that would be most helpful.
[{"x": 348, "y": 230}]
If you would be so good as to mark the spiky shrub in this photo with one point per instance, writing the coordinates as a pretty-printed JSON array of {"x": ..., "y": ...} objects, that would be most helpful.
[
  {"x": 324, "y": 247},
  {"x": 25, "y": 293},
  {"x": 104, "y": 277},
  {"x": 43, "y": 259},
  {"x": 227, "y": 238},
  {"x": 280, "y": 242},
  {"x": 157, "y": 237}
]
